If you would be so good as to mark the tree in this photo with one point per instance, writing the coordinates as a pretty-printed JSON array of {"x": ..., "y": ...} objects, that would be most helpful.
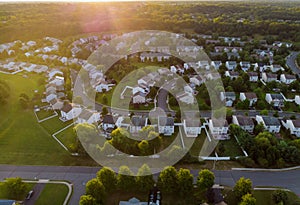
[
  {"x": 125, "y": 179},
  {"x": 279, "y": 196},
  {"x": 144, "y": 147},
  {"x": 248, "y": 199},
  {"x": 264, "y": 112},
  {"x": 104, "y": 111},
  {"x": 205, "y": 179},
  {"x": 87, "y": 200},
  {"x": 185, "y": 182},
  {"x": 108, "y": 178},
  {"x": 104, "y": 99},
  {"x": 242, "y": 187},
  {"x": 96, "y": 189},
  {"x": 15, "y": 187},
  {"x": 78, "y": 100},
  {"x": 167, "y": 180},
  {"x": 144, "y": 178},
  {"x": 86, "y": 132},
  {"x": 258, "y": 128}
]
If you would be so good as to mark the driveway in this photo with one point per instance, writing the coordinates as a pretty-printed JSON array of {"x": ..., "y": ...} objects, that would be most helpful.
[{"x": 37, "y": 190}]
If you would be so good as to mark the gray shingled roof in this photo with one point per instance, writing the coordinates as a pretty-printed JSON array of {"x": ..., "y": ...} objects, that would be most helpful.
[
  {"x": 270, "y": 121},
  {"x": 244, "y": 120},
  {"x": 166, "y": 121}
]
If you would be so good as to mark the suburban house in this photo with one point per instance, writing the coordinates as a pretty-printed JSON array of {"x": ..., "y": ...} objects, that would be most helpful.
[
  {"x": 245, "y": 65},
  {"x": 185, "y": 97},
  {"x": 133, "y": 201},
  {"x": 228, "y": 97},
  {"x": 219, "y": 128},
  {"x": 146, "y": 82},
  {"x": 253, "y": 76},
  {"x": 58, "y": 81},
  {"x": 251, "y": 96},
  {"x": 56, "y": 104},
  {"x": 245, "y": 122},
  {"x": 103, "y": 86},
  {"x": 268, "y": 77},
  {"x": 108, "y": 122},
  {"x": 287, "y": 79},
  {"x": 70, "y": 111},
  {"x": 276, "y": 100},
  {"x": 271, "y": 124},
  {"x": 231, "y": 74},
  {"x": 139, "y": 98},
  {"x": 88, "y": 116},
  {"x": 191, "y": 127},
  {"x": 230, "y": 65},
  {"x": 204, "y": 65},
  {"x": 165, "y": 125},
  {"x": 7, "y": 202},
  {"x": 297, "y": 99},
  {"x": 293, "y": 126},
  {"x": 197, "y": 80},
  {"x": 275, "y": 68},
  {"x": 54, "y": 72},
  {"x": 137, "y": 123},
  {"x": 50, "y": 95},
  {"x": 216, "y": 64}
]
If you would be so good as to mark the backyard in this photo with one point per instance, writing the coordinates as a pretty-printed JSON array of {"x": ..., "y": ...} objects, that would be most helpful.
[{"x": 22, "y": 139}]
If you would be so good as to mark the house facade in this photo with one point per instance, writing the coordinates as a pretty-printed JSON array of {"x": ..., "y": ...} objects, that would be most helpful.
[
  {"x": 166, "y": 125},
  {"x": 244, "y": 122},
  {"x": 271, "y": 124},
  {"x": 219, "y": 129},
  {"x": 293, "y": 126}
]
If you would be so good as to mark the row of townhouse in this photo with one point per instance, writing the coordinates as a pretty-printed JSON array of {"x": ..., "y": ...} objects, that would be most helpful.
[
  {"x": 17, "y": 66},
  {"x": 276, "y": 100},
  {"x": 219, "y": 128}
]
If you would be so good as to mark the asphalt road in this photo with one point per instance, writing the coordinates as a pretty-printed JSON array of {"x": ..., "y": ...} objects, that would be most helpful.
[
  {"x": 290, "y": 62},
  {"x": 78, "y": 176}
]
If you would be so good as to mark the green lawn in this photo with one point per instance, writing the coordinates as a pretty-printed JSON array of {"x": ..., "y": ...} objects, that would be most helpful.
[
  {"x": 67, "y": 137},
  {"x": 22, "y": 139},
  {"x": 42, "y": 114},
  {"x": 56, "y": 192},
  {"x": 232, "y": 149}
]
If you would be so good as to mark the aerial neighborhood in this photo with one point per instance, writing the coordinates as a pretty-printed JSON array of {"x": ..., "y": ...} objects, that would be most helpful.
[{"x": 223, "y": 94}]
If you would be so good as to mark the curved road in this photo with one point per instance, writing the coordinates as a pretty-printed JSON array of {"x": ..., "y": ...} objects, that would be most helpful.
[
  {"x": 290, "y": 62},
  {"x": 78, "y": 176}
]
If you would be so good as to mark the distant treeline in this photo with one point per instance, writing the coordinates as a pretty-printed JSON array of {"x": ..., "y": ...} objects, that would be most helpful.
[{"x": 32, "y": 21}]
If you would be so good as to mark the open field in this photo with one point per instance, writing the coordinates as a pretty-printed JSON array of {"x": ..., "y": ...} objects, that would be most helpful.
[{"x": 22, "y": 139}]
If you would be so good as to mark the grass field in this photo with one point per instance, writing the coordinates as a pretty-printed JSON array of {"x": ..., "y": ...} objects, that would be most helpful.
[
  {"x": 22, "y": 139},
  {"x": 56, "y": 192},
  {"x": 67, "y": 137}
]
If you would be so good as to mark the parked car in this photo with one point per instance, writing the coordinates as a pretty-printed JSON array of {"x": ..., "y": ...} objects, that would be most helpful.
[{"x": 29, "y": 195}]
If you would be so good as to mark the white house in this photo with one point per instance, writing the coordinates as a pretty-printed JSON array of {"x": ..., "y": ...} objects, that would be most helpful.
[
  {"x": 228, "y": 97},
  {"x": 108, "y": 122},
  {"x": 250, "y": 96},
  {"x": 253, "y": 76},
  {"x": 245, "y": 65},
  {"x": 185, "y": 97},
  {"x": 146, "y": 81},
  {"x": 58, "y": 81},
  {"x": 230, "y": 65},
  {"x": 216, "y": 64},
  {"x": 287, "y": 79},
  {"x": 204, "y": 65},
  {"x": 50, "y": 95},
  {"x": 246, "y": 123},
  {"x": 139, "y": 98},
  {"x": 166, "y": 125},
  {"x": 268, "y": 77},
  {"x": 276, "y": 100},
  {"x": 197, "y": 80},
  {"x": 191, "y": 127},
  {"x": 56, "y": 104},
  {"x": 231, "y": 74},
  {"x": 54, "y": 72},
  {"x": 271, "y": 124},
  {"x": 88, "y": 116},
  {"x": 70, "y": 111},
  {"x": 102, "y": 85},
  {"x": 297, "y": 99},
  {"x": 275, "y": 68},
  {"x": 219, "y": 128},
  {"x": 293, "y": 126}
]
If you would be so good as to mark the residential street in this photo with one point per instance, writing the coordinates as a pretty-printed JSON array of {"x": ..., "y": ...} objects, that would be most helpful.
[
  {"x": 290, "y": 62},
  {"x": 78, "y": 176}
]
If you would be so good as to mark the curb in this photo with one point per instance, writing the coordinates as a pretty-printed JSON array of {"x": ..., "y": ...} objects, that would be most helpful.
[{"x": 266, "y": 170}]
